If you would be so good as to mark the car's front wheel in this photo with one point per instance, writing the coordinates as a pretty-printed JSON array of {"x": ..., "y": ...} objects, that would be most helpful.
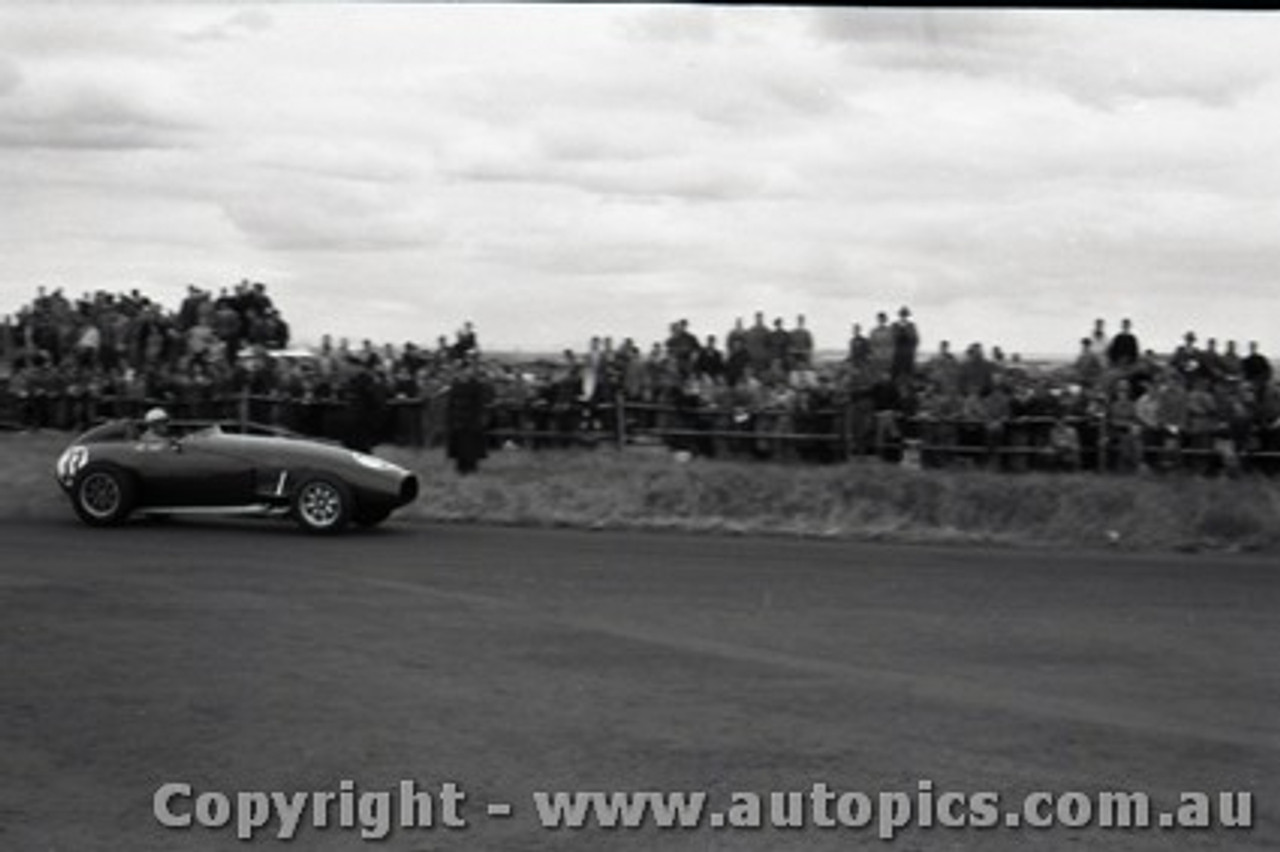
[
  {"x": 103, "y": 496},
  {"x": 322, "y": 505}
]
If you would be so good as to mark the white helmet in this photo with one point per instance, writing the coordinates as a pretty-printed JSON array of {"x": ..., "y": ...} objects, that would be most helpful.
[{"x": 156, "y": 415}]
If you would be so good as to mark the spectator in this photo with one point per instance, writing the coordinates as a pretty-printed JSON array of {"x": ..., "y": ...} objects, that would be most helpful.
[
  {"x": 228, "y": 325},
  {"x": 976, "y": 372},
  {"x": 1202, "y": 420},
  {"x": 655, "y": 373},
  {"x": 737, "y": 362},
  {"x": 880, "y": 340},
  {"x": 757, "y": 340},
  {"x": 995, "y": 408},
  {"x": 943, "y": 369},
  {"x": 906, "y": 340},
  {"x": 1186, "y": 358},
  {"x": 738, "y": 334},
  {"x": 800, "y": 352},
  {"x": 859, "y": 347},
  {"x": 1098, "y": 337},
  {"x": 88, "y": 345},
  {"x": 6, "y": 340},
  {"x": 469, "y": 397},
  {"x": 465, "y": 343},
  {"x": 1064, "y": 445},
  {"x": 1230, "y": 361},
  {"x": 1123, "y": 425},
  {"x": 444, "y": 352},
  {"x": 710, "y": 360},
  {"x": 609, "y": 373},
  {"x": 1211, "y": 360},
  {"x": 634, "y": 384},
  {"x": 1122, "y": 352},
  {"x": 779, "y": 347},
  {"x": 1172, "y": 395},
  {"x": 1255, "y": 368},
  {"x": 940, "y": 409},
  {"x": 999, "y": 365},
  {"x": 1088, "y": 367},
  {"x": 592, "y": 369},
  {"x": 1170, "y": 405},
  {"x": 886, "y": 403},
  {"x": 682, "y": 347},
  {"x": 192, "y": 304}
]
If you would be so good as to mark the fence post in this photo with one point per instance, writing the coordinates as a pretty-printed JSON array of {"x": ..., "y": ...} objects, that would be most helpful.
[
  {"x": 846, "y": 429},
  {"x": 620, "y": 418}
]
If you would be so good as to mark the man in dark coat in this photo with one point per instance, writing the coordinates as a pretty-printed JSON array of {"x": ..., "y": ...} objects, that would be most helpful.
[
  {"x": 1255, "y": 368},
  {"x": 366, "y": 408},
  {"x": 466, "y": 416},
  {"x": 906, "y": 340},
  {"x": 1122, "y": 352}
]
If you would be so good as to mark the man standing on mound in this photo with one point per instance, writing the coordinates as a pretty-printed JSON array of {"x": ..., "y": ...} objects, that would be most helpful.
[{"x": 466, "y": 416}]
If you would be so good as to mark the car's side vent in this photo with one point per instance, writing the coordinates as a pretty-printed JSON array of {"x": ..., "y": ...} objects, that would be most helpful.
[{"x": 271, "y": 482}]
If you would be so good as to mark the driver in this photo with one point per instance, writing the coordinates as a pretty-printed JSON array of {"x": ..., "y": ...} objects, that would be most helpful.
[{"x": 157, "y": 426}]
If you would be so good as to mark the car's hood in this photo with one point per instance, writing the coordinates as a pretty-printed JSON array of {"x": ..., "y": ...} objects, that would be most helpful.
[{"x": 288, "y": 451}]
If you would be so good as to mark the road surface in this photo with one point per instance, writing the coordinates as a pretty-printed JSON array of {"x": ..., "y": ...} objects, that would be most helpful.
[{"x": 244, "y": 656}]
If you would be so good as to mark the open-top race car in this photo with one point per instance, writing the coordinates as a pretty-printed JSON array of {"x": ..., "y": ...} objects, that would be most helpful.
[{"x": 163, "y": 467}]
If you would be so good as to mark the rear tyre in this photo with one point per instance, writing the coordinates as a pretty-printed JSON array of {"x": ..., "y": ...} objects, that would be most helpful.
[
  {"x": 322, "y": 505},
  {"x": 103, "y": 496}
]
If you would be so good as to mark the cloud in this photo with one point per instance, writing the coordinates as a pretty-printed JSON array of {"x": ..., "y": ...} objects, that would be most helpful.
[
  {"x": 56, "y": 31},
  {"x": 964, "y": 40},
  {"x": 1104, "y": 61},
  {"x": 244, "y": 23},
  {"x": 89, "y": 117},
  {"x": 671, "y": 25},
  {"x": 568, "y": 168},
  {"x": 295, "y": 214},
  {"x": 98, "y": 81},
  {"x": 335, "y": 159}
]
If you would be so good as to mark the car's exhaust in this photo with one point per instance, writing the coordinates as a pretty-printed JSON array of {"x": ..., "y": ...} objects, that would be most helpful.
[{"x": 408, "y": 489}]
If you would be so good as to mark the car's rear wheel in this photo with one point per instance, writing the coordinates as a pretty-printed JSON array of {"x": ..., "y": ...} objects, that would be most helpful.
[
  {"x": 322, "y": 505},
  {"x": 103, "y": 496}
]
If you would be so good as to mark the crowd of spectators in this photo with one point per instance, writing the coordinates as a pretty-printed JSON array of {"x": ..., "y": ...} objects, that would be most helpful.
[
  {"x": 66, "y": 364},
  {"x": 1117, "y": 406},
  {"x": 760, "y": 390},
  {"x": 61, "y": 360}
]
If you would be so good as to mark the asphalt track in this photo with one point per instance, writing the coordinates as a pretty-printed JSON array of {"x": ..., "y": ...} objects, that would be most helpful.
[{"x": 245, "y": 656}]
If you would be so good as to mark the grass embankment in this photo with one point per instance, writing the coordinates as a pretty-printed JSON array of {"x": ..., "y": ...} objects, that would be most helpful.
[{"x": 867, "y": 499}]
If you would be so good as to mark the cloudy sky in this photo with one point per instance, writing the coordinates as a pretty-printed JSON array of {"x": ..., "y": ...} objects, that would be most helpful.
[{"x": 557, "y": 171}]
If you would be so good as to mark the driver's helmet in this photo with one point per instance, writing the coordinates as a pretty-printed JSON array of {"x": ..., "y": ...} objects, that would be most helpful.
[{"x": 156, "y": 417}]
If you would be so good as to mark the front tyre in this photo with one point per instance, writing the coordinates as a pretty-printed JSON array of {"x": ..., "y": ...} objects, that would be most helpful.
[
  {"x": 103, "y": 496},
  {"x": 322, "y": 505}
]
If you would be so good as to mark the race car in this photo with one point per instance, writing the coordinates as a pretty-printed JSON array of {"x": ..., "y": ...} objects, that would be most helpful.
[{"x": 161, "y": 467}]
